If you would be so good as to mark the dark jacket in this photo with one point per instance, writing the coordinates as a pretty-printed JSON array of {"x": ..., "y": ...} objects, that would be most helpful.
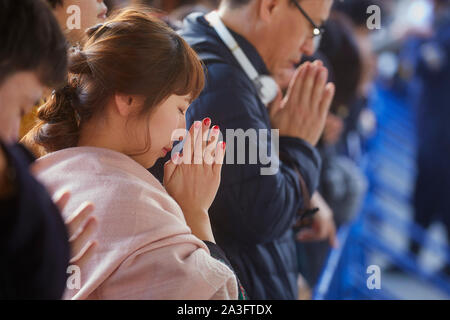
[
  {"x": 34, "y": 247},
  {"x": 433, "y": 132},
  {"x": 252, "y": 215}
]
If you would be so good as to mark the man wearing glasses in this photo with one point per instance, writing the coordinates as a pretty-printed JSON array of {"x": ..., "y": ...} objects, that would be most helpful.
[{"x": 253, "y": 215}]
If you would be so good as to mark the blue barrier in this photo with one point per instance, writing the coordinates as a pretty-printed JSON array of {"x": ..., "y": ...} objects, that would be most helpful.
[{"x": 389, "y": 165}]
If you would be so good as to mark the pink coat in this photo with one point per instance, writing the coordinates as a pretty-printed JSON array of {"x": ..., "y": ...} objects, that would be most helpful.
[{"x": 145, "y": 248}]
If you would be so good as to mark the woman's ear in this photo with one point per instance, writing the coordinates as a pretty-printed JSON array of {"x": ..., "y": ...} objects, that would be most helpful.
[{"x": 127, "y": 104}]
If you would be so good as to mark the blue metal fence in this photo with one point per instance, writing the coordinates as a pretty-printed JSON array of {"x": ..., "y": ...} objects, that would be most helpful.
[{"x": 389, "y": 165}]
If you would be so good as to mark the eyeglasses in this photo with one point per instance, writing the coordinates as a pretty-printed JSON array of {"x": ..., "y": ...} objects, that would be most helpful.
[{"x": 317, "y": 30}]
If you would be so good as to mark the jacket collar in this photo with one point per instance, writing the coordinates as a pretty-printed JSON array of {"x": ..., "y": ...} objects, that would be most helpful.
[{"x": 202, "y": 37}]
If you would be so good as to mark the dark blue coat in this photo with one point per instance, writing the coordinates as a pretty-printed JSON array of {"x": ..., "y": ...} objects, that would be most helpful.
[
  {"x": 433, "y": 181},
  {"x": 34, "y": 247},
  {"x": 253, "y": 214}
]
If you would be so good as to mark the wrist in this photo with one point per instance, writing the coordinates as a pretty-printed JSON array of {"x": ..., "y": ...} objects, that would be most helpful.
[
  {"x": 199, "y": 223},
  {"x": 191, "y": 211}
]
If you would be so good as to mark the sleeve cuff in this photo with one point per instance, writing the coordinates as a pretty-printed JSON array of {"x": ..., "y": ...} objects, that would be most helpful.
[{"x": 305, "y": 158}]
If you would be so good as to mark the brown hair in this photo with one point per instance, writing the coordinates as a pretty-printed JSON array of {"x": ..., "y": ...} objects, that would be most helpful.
[{"x": 132, "y": 53}]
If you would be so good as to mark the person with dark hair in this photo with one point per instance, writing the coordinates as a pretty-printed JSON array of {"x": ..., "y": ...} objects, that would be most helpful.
[
  {"x": 342, "y": 52},
  {"x": 34, "y": 250},
  {"x": 356, "y": 12},
  {"x": 254, "y": 213},
  {"x": 342, "y": 183},
  {"x": 128, "y": 90}
]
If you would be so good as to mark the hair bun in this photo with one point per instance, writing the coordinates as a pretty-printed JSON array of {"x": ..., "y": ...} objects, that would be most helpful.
[
  {"x": 69, "y": 92},
  {"x": 78, "y": 61}
]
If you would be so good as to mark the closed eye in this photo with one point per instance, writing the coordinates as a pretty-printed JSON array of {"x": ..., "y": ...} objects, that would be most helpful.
[{"x": 181, "y": 111}]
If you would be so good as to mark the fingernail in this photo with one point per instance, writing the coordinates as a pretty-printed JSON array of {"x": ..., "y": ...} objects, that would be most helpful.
[
  {"x": 224, "y": 145},
  {"x": 216, "y": 128},
  {"x": 197, "y": 124},
  {"x": 206, "y": 122}
]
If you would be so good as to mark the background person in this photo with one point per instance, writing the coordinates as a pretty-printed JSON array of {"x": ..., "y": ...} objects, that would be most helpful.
[
  {"x": 342, "y": 183},
  {"x": 34, "y": 251},
  {"x": 431, "y": 201}
]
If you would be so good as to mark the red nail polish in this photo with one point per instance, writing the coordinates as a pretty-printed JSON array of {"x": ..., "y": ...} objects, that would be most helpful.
[
  {"x": 216, "y": 128},
  {"x": 224, "y": 145},
  {"x": 206, "y": 121}
]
